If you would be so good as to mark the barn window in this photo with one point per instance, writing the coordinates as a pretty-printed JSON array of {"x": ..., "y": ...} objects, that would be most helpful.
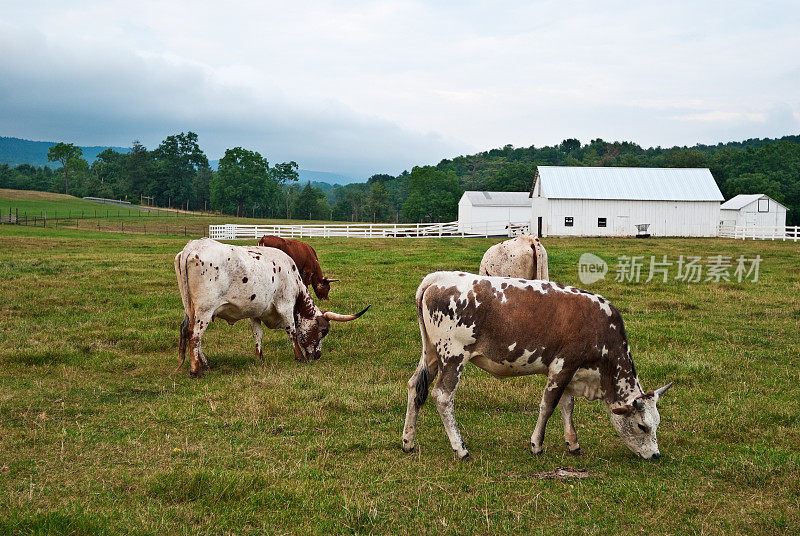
[
  {"x": 601, "y": 222},
  {"x": 763, "y": 205},
  {"x": 568, "y": 221}
]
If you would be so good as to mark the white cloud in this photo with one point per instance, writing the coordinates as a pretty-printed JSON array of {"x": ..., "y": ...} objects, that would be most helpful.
[{"x": 363, "y": 87}]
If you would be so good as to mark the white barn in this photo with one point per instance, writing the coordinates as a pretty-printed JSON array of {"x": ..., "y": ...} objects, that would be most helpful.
[
  {"x": 611, "y": 201},
  {"x": 752, "y": 210},
  {"x": 492, "y": 212}
]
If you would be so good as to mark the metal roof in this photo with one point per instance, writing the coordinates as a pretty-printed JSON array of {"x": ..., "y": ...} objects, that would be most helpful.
[
  {"x": 740, "y": 201},
  {"x": 650, "y": 184},
  {"x": 498, "y": 199}
]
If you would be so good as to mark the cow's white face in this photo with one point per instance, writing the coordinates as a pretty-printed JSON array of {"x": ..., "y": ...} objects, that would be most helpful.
[
  {"x": 637, "y": 424},
  {"x": 310, "y": 333}
]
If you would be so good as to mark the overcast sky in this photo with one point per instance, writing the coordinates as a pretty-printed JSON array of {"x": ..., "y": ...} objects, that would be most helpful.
[{"x": 368, "y": 87}]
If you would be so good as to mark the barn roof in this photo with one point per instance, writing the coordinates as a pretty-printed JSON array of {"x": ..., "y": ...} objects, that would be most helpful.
[
  {"x": 498, "y": 199},
  {"x": 649, "y": 184},
  {"x": 740, "y": 201}
]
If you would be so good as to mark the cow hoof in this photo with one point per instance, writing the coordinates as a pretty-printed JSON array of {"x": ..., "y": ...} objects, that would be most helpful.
[
  {"x": 576, "y": 452},
  {"x": 195, "y": 374},
  {"x": 466, "y": 458},
  {"x": 536, "y": 451},
  {"x": 409, "y": 450}
]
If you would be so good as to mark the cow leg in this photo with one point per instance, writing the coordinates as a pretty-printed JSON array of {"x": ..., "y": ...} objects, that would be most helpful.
[
  {"x": 197, "y": 359},
  {"x": 556, "y": 384},
  {"x": 258, "y": 335},
  {"x": 298, "y": 353},
  {"x": 443, "y": 394},
  {"x": 418, "y": 384},
  {"x": 566, "y": 405}
]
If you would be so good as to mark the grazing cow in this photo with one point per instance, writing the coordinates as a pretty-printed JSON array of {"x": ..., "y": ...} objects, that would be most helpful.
[
  {"x": 306, "y": 260},
  {"x": 523, "y": 257},
  {"x": 515, "y": 327},
  {"x": 237, "y": 282}
]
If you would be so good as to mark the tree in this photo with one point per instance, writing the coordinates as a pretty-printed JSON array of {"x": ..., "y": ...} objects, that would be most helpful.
[
  {"x": 432, "y": 195},
  {"x": 64, "y": 153},
  {"x": 378, "y": 204},
  {"x": 240, "y": 180},
  {"x": 285, "y": 172},
  {"x": 138, "y": 166},
  {"x": 513, "y": 177},
  {"x": 570, "y": 145},
  {"x": 176, "y": 162},
  {"x": 310, "y": 203}
]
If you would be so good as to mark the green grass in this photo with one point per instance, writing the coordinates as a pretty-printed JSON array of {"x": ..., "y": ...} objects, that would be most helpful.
[
  {"x": 99, "y": 436},
  {"x": 57, "y": 211}
]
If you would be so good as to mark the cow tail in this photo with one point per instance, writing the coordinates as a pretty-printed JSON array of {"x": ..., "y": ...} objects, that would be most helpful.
[
  {"x": 540, "y": 261},
  {"x": 423, "y": 383},
  {"x": 188, "y": 317},
  {"x": 423, "y": 374}
]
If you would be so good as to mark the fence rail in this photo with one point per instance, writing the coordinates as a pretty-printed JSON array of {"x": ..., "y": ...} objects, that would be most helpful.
[
  {"x": 744, "y": 232},
  {"x": 349, "y": 230}
]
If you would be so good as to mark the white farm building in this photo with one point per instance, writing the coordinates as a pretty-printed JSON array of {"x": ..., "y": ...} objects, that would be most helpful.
[
  {"x": 612, "y": 201},
  {"x": 752, "y": 210},
  {"x": 492, "y": 212}
]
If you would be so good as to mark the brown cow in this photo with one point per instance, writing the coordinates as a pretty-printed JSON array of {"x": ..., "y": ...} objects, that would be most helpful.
[{"x": 306, "y": 260}]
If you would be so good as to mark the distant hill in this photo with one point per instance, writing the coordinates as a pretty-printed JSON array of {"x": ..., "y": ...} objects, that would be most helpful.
[
  {"x": 326, "y": 176},
  {"x": 16, "y": 151}
]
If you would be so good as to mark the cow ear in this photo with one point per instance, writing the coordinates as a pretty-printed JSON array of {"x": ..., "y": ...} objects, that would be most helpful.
[{"x": 624, "y": 410}]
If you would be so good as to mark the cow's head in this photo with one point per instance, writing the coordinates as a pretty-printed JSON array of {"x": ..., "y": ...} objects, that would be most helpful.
[
  {"x": 637, "y": 423},
  {"x": 312, "y": 329},
  {"x": 323, "y": 287}
]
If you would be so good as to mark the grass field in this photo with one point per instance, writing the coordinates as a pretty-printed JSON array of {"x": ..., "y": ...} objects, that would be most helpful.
[
  {"x": 98, "y": 435},
  {"x": 46, "y": 209}
]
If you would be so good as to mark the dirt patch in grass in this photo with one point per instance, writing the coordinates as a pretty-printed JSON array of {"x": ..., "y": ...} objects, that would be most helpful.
[
  {"x": 31, "y": 194},
  {"x": 560, "y": 473}
]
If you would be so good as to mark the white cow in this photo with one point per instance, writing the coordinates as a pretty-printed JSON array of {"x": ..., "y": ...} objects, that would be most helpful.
[
  {"x": 523, "y": 256},
  {"x": 236, "y": 282}
]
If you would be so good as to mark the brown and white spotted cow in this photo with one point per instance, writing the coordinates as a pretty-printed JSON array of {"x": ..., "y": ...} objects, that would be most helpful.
[
  {"x": 236, "y": 282},
  {"x": 515, "y": 327},
  {"x": 523, "y": 257}
]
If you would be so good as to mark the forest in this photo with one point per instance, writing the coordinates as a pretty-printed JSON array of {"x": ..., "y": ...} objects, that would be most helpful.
[{"x": 177, "y": 174}]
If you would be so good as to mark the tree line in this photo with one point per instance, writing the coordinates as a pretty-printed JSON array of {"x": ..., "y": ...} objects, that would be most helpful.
[{"x": 177, "y": 173}]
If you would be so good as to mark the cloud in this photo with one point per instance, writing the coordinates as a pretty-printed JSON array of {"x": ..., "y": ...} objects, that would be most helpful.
[
  {"x": 113, "y": 96},
  {"x": 368, "y": 86}
]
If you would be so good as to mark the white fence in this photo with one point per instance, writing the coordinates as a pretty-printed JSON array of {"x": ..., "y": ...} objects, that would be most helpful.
[
  {"x": 760, "y": 233},
  {"x": 350, "y": 230}
]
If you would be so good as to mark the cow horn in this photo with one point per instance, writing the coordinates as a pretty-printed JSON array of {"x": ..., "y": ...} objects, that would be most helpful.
[
  {"x": 330, "y": 280},
  {"x": 343, "y": 318},
  {"x": 660, "y": 391}
]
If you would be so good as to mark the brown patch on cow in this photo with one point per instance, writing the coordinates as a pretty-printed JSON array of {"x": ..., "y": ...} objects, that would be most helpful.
[
  {"x": 305, "y": 260},
  {"x": 244, "y": 280},
  {"x": 253, "y": 297},
  {"x": 540, "y": 322}
]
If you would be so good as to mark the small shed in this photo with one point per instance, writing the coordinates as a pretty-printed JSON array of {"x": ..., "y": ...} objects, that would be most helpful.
[
  {"x": 752, "y": 210},
  {"x": 613, "y": 201},
  {"x": 493, "y": 212}
]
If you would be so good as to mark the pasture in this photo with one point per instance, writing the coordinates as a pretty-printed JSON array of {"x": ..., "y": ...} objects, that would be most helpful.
[{"x": 99, "y": 435}]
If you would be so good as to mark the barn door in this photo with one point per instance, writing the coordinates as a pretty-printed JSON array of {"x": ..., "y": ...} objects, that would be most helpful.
[
  {"x": 539, "y": 227},
  {"x": 622, "y": 226}
]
